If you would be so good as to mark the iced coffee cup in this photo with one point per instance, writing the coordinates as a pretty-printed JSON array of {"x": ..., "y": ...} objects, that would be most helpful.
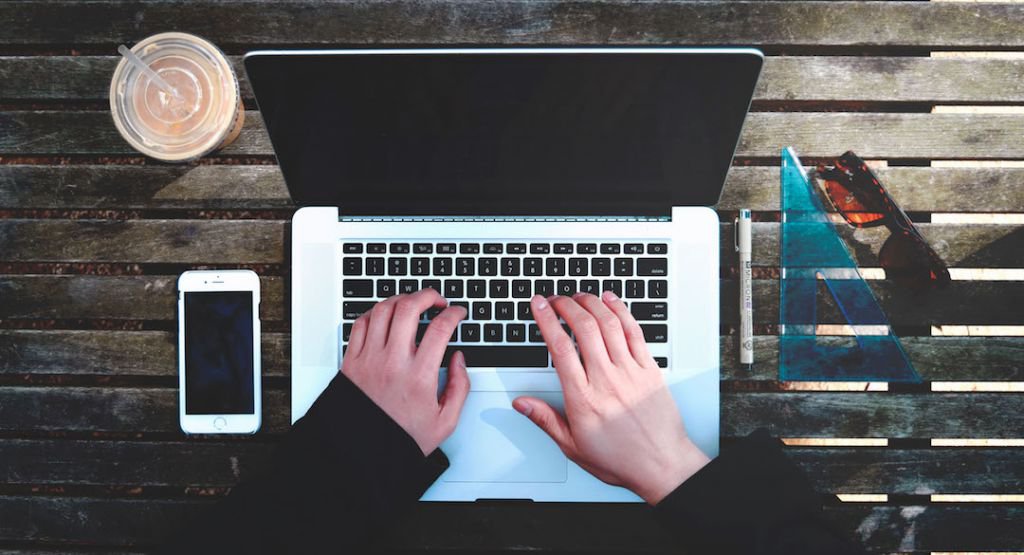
[{"x": 174, "y": 97}]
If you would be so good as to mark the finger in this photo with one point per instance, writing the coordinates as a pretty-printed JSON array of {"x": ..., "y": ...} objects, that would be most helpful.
[
  {"x": 611, "y": 327},
  {"x": 563, "y": 352},
  {"x": 380, "y": 323},
  {"x": 549, "y": 420},
  {"x": 357, "y": 335},
  {"x": 438, "y": 335},
  {"x": 634, "y": 335},
  {"x": 407, "y": 316},
  {"x": 585, "y": 329},
  {"x": 455, "y": 393}
]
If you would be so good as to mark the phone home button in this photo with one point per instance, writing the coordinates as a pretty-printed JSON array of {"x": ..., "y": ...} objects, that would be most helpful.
[{"x": 219, "y": 423}]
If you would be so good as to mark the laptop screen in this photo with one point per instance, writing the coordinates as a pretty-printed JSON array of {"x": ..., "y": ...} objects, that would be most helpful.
[{"x": 505, "y": 132}]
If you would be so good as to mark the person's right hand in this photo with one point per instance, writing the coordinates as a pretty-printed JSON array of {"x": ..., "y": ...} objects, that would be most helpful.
[{"x": 621, "y": 424}]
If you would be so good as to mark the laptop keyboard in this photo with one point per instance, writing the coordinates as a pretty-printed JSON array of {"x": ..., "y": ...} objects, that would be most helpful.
[{"x": 495, "y": 281}]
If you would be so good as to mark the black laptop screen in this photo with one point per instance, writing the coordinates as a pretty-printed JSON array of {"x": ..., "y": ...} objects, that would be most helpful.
[{"x": 501, "y": 133}]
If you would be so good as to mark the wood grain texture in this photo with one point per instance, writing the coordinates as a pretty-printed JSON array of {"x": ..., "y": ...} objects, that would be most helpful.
[
  {"x": 312, "y": 23},
  {"x": 152, "y": 353},
  {"x": 812, "y": 134},
  {"x": 224, "y": 464},
  {"x": 110, "y": 297},
  {"x": 114, "y": 353},
  {"x": 544, "y": 528},
  {"x": 148, "y": 241},
  {"x": 934, "y": 358},
  {"x": 918, "y": 189},
  {"x": 784, "y": 414},
  {"x": 784, "y": 79}
]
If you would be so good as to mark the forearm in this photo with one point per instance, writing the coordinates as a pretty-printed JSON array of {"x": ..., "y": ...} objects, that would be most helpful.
[
  {"x": 343, "y": 471},
  {"x": 751, "y": 500}
]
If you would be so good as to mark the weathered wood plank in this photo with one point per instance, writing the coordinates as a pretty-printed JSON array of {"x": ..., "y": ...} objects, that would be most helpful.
[
  {"x": 959, "y": 245},
  {"x": 223, "y": 464},
  {"x": 784, "y": 79},
  {"x": 918, "y": 189},
  {"x": 784, "y": 414},
  {"x": 114, "y": 353},
  {"x": 962, "y": 302},
  {"x": 934, "y": 358},
  {"x": 152, "y": 353},
  {"x": 110, "y": 297},
  {"x": 872, "y": 135},
  {"x": 145, "y": 241},
  {"x": 544, "y": 528},
  {"x": 520, "y": 22},
  {"x": 143, "y": 187},
  {"x": 130, "y": 410}
]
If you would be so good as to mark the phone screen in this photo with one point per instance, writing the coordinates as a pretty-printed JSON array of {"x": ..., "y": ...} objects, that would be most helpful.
[{"x": 219, "y": 353}]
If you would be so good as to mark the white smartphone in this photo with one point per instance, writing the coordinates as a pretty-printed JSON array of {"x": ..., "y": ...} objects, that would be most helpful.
[{"x": 219, "y": 352}]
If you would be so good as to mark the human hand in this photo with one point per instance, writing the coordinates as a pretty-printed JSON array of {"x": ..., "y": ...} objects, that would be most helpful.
[
  {"x": 620, "y": 424},
  {"x": 384, "y": 362}
]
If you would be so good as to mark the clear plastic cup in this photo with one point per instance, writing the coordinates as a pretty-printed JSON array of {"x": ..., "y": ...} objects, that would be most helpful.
[{"x": 205, "y": 115}]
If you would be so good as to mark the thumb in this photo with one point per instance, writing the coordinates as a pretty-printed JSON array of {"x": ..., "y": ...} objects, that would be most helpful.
[
  {"x": 455, "y": 391},
  {"x": 547, "y": 419}
]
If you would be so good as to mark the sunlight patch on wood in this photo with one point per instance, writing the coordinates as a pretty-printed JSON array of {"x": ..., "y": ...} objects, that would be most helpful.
[
  {"x": 991, "y": 387},
  {"x": 978, "y": 163},
  {"x": 977, "y": 331},
  {"x": 949, "y": 109},
  {"x": 836, "y": 441},
  {"x": 977, "y": 498},
  {"x": 966, "y": 442},
  {"x": 955, "y": 218},
  {"x": 863, "y": 497},
  {"x": 835, "y": 386}
]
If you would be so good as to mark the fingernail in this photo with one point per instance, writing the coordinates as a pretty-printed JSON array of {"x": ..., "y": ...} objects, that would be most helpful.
[
  {"x": 460, "y": 359},
  {"x": 524, "y": 408},
  {"x": 542, "y": 303},
  {"x": 609, "y": 296}
]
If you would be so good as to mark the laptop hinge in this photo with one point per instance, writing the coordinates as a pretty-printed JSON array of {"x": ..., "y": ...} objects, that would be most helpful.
[{"x": 505, "y": 218}]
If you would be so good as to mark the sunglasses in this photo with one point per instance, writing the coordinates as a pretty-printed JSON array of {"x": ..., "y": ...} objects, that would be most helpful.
[{"x": 859, "y": 197}]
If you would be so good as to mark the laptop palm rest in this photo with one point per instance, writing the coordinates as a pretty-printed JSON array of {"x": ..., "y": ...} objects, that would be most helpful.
[{"x": 494, "y": 443}]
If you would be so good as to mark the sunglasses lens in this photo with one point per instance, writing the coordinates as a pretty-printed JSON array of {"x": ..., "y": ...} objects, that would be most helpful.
[
  {"x": 851, "y": 208},
  {"x": 909, "y": 262}
]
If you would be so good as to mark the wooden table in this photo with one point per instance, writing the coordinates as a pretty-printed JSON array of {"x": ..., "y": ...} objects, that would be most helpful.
[{"x": 93, "y": 235}]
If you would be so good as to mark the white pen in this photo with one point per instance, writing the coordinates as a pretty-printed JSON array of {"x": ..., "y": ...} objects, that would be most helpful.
[{"x": 746, "y": 298}]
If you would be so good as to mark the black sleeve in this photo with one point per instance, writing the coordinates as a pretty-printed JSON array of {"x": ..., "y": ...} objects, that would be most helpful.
[
  {"x": 753, "y": 500},
  {"x": 343, "y": 472}
]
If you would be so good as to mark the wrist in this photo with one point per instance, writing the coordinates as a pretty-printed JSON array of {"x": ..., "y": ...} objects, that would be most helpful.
[{"x": 688, "y": 459}]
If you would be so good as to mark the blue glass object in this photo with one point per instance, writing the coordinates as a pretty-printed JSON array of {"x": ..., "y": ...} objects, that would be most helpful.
[{"x": 817, "y": 269}]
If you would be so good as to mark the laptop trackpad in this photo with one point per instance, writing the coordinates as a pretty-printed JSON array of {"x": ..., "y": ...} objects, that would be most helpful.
[{"x": 494, "y": 443}]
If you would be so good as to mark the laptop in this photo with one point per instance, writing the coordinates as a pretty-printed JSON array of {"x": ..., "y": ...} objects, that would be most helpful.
[{"x": 492, "y": 175}]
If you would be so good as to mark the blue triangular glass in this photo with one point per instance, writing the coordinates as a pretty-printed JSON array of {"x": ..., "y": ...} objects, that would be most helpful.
[{"x": 817, "y": 270}]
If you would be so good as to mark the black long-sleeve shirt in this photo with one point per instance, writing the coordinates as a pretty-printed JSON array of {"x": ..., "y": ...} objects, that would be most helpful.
[{"x": 346, "y": 470}]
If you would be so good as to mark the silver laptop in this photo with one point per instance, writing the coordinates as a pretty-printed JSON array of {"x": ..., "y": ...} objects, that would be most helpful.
[{"x": 495, "y": 174}]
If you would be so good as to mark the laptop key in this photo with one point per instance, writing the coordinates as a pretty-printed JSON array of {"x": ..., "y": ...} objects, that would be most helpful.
[
  {"x": 510, "y": 266},
  {"x": 352, "y": 266},
  {"x": 649, "y": 311},
  {"x": 563, "y": 248},
  {"x": 376, "y": 248},
  {"x": 586, "y": 248},
  {"x": 470, "y": 333},
  {"x": 609, "y": 248},
  {"x": 385, "y": 288},
  {"x": 464, "y": 266},
  {"x": 533, "y": 266},
  {"x": 555, "y": 266},
  {"x": 634, "y": 248},
  {"x": 634, "y": 289},
  {"x": 613, "y": 285},
  {"x": 453, "y": 288},
  {"x": 423, "y": 248},
  {"x": 487, "y": 266},
  {"x": 504, "y": 311},
  {"x": 399, "y": 248},
  {"x": 442, "y": 266},
  {"x": 516, "y": 248},
  {"x": 515, "y": 333},
  {"x": 662, "y": 362},
  {"x": 534, "y": 334},
  {"x": 577, "y": 266},
  {"x": 374, "y": 266},
  {"x": 432, "y": 313},
  {"x": 434, "y": 284},
  {"x": 657, "y": 289},
  {"x": 446, "y": 248},
  {"x": 601, "y": 267},
  {"x": 469, "y": 248},
  {"x": 590, "y": 286},
  {"x": 350, "y": 310},
  {"x": 544, "y": 287},
  {"x": 420, "y": 266},
  {"x": 624, "y": 267},
  {"x": 481, "y": 310},
  {"x": 493, "y": 248},
  {"x": 521, "y": 288},
  {"x": 566, "y": 287},
  {"x": 655, "y": 333},
  {"x": 540, "y": 248},
  {"x": 357, "y": 288},
  {"x": 407, "y": 286},
  {"x": 500, "y": 356},
  {"x": 346, "y": 332},
  {"x": 463, "y": 304},
  {"x": 352, "y": 248},
  {"x": 657, "y": 248},
  {"x": 652, "y": 267},
  {"x": 397, "y": 266},
  {"x": 499, "y": 289},
  {"x": 476, "y": 288},
  {"x": 523, "y": 311},
  {"x": 492, "y": 334}
]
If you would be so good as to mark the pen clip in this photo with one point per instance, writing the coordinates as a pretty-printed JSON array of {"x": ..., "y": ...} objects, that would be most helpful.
[{"x": 736, "y": 233}]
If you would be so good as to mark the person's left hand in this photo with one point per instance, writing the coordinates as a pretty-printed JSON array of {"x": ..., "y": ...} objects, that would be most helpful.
[{"x": 383, "y": 360}]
